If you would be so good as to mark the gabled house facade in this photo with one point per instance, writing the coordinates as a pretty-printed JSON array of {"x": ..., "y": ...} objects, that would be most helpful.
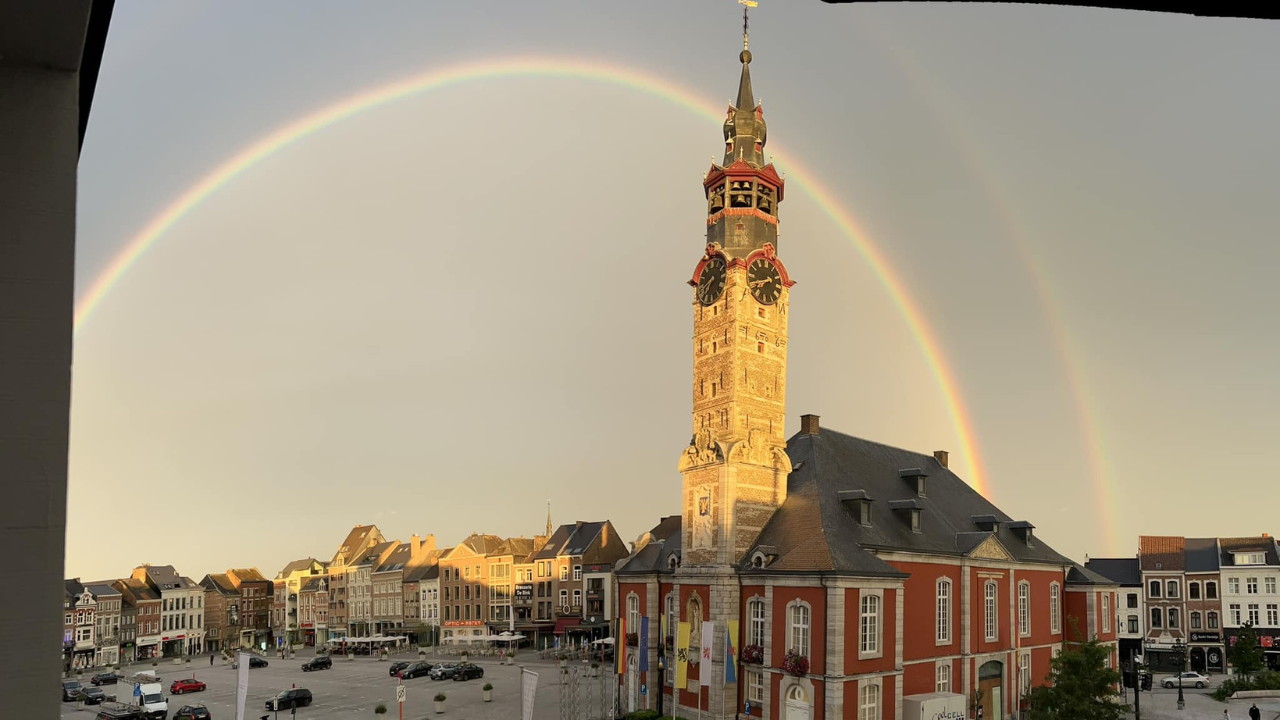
[{"x": 1250, "y": 570}]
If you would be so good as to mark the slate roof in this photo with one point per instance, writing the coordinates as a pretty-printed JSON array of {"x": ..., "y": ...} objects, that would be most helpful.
[
  {"x": 814, "y": 531},
  {"x": 100, "y": 589},
  {"x": 311, "y": 584},
  {"x": 297, "y": 566},
  {"x": 1257, "y": 544},
  {"x": 396, "y": 559},
  {"x": 219, "y": 583},
  {"x": 481, "y": 543},
  {"x": 662, "y": 542},
  {"x": 163, "y": 577},
  {"x": 1162, "y": 553},
  {"x": 552, "y": 547},
  {"x": 140, "y": 590},
  {"x": 1122, "y": 570},
  {"x": 1201, "y": 555},
  {"x": 244, "y": 575},
  {"x": 74, "y": 587},
  {"x": 424, "y": 569},
  {"x": 1079, "y": 575},
  {"x": 371, "y": 555}
]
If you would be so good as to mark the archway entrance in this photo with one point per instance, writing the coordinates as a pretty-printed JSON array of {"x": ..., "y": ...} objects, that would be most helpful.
[
  {"x": 797, "y": 703},
  {"x": 991, "y": 686},
  {"x": 1197, "y": 660}
]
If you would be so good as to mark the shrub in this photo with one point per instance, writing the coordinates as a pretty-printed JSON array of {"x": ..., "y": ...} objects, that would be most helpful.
[
  {"x": 487, "y": 686},
  {"x": 795, "y": 664},
  {"x": 641, "y": 715},
  {"x": 381, "y": 709},
  {"x": 440, "y": 697}
]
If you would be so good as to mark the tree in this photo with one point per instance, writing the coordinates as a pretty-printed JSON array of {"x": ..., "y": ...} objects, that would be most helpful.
[
  {"x": 1081, "y": 687},
  {"x": 1246, "y": 654}
]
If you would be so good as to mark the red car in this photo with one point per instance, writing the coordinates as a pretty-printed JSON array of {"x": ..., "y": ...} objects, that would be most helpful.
[{"x": 186, "y": 685}]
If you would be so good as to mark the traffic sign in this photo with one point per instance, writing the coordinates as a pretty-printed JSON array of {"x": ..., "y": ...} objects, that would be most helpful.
[
  {"x": 400, "y": 690},
  {"x": 137, "y": 690},
  {"x": 748, "y": 708},
  {"x": 644, "y": 689}
]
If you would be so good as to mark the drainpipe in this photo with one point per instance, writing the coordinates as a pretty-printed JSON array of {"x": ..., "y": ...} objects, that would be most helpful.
[{"x": 826, "y": 629}]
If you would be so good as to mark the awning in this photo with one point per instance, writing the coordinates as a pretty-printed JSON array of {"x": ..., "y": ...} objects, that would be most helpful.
[{"x": 564, "y": 623}]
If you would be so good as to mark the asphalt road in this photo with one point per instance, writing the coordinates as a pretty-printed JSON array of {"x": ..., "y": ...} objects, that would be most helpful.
[{"x": 351, "y": 689}]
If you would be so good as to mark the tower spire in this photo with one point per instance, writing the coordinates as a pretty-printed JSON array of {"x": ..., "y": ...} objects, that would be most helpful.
[{"x": 548, "y": 518}]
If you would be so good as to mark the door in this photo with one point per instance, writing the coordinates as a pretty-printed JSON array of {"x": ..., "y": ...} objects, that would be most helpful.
[
  {"x": 633, "y": 682},
  {"x": 991, "y": 687},
  {"x": 797, "y": 703},
  {"x": 1197, "y": 660}
]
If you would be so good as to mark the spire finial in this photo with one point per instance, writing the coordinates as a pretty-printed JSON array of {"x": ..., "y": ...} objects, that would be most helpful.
[
  {"x": 548, "y": 518},
  {"x": 746, "y": 5}
]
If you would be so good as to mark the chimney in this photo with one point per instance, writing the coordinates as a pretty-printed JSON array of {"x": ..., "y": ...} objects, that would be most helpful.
[
  {"x": 604, "y": 535},
  {"x": 809, "y": 424},
  {"x": 415, "y": 544},
  {"x": 429, "y": 542},
  {"x": 941, "y": 457}
]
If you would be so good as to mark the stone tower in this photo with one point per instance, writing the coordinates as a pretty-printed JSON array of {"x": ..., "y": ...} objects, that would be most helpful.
[{"x": 735, "y": 468}]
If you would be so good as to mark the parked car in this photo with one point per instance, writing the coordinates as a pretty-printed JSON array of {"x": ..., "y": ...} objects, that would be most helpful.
[
  {"x": 186, "y": 685},
  {"x": 1189, "y": 679},
  {"x": 285, "y": 699},
  {"x": 119, "y": 712},
  {"x": 254, "y": 662},
  {"x": 396, "y": 667},
  {"x": 320, "y": 662},
  {"x": 416, "y": 669},
  {"x": 71, "y": 690},
  {"x": 193, "y": 712},
  {"x": 93, "y": 696},
  {"x": 107, "y": 678},
  {"x": 443, "y": 671},
  {"x": 467, "y": 671}
]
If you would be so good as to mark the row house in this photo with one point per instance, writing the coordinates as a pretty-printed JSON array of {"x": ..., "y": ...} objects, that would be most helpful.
[
  {"x": 182, "y": 610},
  {"x": 387, "y": 602},
  {"x": 880, "y": 576},
  {"x": 360, "y": 587},
  {"x": 286, "y": 585},
  {"x": 1198, "y": 592},
  {"x": 128, "y": 623},
  {"x": 221, "y": 613},
  {"x": 71, "y": 593},
  {"x": 106, "y": 634},
  {"x": 428, "y": 580},
  {"x": 148, "y": 624},
  {"x": 341, "y": 606},
  {"x": 313, "y": 609},
  {"x": 256, "y": 603},
  {"x": 421, "y": 582},
  {"x": 78, "y": 626},
  {"x": 463, "y": 587},
  {"x": 559, "y": 582},
  {"x": 511, "y": 554}
]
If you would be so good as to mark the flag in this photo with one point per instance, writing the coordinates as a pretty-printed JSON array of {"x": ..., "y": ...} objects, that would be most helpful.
[
  {"x": 682, "y": 655},
  {"x": 708, "y": 640},
  {"x": 731, "y": 653},
  {"x": 644, "y": 644},
  {"x": 620, "y": 645}
]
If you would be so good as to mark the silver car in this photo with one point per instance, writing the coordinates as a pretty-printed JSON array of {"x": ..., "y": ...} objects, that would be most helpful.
[{"x": 1189, "y": 679}]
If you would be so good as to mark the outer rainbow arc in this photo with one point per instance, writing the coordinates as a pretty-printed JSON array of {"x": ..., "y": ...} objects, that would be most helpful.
[{"x": 582, "y": 68}]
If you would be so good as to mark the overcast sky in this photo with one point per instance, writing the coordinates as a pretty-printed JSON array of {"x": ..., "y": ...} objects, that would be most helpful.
[{"x": 439, "y": 314}]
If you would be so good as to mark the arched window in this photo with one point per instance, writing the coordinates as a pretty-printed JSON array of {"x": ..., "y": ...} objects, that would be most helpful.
[
  {"x": 1024, "y": 608},
  {"x": 1193, "y": 591},
  {"x": 869, "y": 702},
  {"x": 798, "y": 630},
  {"x": 633, "y": 613},
  {"x": 989, "y": 610},
  {"x": 1055, "y": 608},
  {"x": 943, "y": 682},
  {"x": 1106, "y": 612},
  {"x": 673, "y": 618},
  {"x": 1211, "y": 590},
  {"x": 869, "y": 625},
  {"x": 944, "y": 611},
  {"x": 1173, "y": 618},
  {"x": 1195, "y": 619},
  {"x": 755, "y": 622},
  {"x": 1157, "y": 619},
  {"x": 1212, "y": 619},
  {"x": 1153, "y": 589}
]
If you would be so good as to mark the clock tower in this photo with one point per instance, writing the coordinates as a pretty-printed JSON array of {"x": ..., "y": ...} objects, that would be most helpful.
[{"x": 735, "y": 467}]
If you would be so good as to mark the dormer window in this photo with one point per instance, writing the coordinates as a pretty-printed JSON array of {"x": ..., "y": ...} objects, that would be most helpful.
[
  {"x": 909, "y": 510},
  {"x": 859, "y": 503},
  {"x": 986, "y": 523},
  {"x": 1023, "y": 529},
  {"x": 915, "y": 477}
]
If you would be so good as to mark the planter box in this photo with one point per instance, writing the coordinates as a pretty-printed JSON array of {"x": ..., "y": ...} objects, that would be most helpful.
[
  {"x": 439, "y": 707},
  {"x": 488, "y": 695}
]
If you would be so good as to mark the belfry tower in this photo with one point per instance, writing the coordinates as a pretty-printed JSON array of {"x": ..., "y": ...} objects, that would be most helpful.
[{"x": 735, "y": 467}]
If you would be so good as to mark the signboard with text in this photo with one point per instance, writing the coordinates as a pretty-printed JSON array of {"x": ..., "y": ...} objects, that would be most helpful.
[
  {"x": 524, "y": 591},
  {"x": 528, "y": 691}
]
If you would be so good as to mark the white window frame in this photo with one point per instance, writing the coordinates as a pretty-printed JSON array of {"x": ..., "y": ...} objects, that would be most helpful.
[
  {"x": 755, "y": 687},
  {"x": 991, "y": 610},
  {"x": 1173, "y": 619},
  {"x": 942, "y": 676},
  {"x": 1251, "y": 586},
  {"x": 1194, "y": 619},
  {"x": 1171, "y": 590},
  {"x": 672, "y": 612},
  {"x": 1273, "y": 614},
  {"x": 943, "y": 611},
  {"x": 577, "y": 573},
  {"x": 1024, "y": 669},
  {"x": 1106, "y": 612},
  {"x": 1233, "y": 586},
  {"x": 756, "y": 621},
  {"x": 1055, "y": 608},
  {"x": 1156, "y": 619},
  {"x": 633, "y": 613},
  {"x": 869, "y": 700},
  {"x": 870, "y": 624},
  {"x": 1024, "y": 608},
  {"x": 1233, "y": 612},
  {"x": 799, "y": 627},
  {"x": 1254, "y": 614}
]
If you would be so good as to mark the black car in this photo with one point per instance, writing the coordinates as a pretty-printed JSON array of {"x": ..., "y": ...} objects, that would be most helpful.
[
  {"x": 396, "y": 667},
  {"x": 321, "y": 662},
  {"x": 93, "y": 696},
  {"x": 193, "y": 712},
  {"x": 254, "y": 662},
  {"x": 108, "y": 678},
  {"x": 71, "y": 690},
  {"x": 467, "y": 671},
  {"x": 415, "y": 669},
  {"x": 297, "y": 697},
  {"x": 119, "y": 712}
]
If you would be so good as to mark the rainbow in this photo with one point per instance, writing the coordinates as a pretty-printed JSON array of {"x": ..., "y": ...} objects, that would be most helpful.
[
  {"x": 1084, "y": 405},
  {"x": 576, "y": 68}
]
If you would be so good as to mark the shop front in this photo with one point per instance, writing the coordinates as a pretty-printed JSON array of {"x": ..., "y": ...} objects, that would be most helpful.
[
  {"x": 1205, "y": 653},
  {"x": 1268, "y": 639},
  {"x": 308, "y": 634},
  {"x": 173, "y": 646},
  {"x": 148, "y": 648}
]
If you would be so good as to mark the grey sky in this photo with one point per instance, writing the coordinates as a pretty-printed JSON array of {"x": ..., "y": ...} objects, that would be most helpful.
[{"x": 433, "y": 316}]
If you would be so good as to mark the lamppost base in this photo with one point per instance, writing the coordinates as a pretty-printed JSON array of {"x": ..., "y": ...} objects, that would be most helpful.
[{"x": 1182, "y": 704}]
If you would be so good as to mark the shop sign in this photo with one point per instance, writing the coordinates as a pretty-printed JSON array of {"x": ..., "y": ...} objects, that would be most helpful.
[
  {"x": 1206, "y": 637},
  {"x": 524, "y": 592},
  {"x": 464, "y": 623}
]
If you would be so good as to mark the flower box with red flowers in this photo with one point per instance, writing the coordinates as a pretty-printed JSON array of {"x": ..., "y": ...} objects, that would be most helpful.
[
  {"x": 753, "y": 654},
  {"x": 633, "y": 639},
  {"x": 795, "y": 664}
]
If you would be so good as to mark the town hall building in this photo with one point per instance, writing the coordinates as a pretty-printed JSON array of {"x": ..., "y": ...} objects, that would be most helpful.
[{"x": 859, "y": 574}]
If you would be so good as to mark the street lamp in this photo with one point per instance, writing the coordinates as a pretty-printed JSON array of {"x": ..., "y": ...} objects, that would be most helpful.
[{"x": 1180, "y": 656}]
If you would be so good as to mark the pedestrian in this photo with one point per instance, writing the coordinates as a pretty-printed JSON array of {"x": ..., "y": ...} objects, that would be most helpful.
[
  {"x": 1226, "y": 715},
  {"x": 1255, "y": 713},
  {"x": 210, "y": 659}
]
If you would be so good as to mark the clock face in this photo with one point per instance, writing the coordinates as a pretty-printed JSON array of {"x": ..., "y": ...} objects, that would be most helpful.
[
  {"x": 764, "y": 281},
  {"x": 711, "y": 281}
]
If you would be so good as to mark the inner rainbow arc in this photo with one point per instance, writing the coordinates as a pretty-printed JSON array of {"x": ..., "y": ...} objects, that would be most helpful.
[{"x": 540, "y": 66}]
